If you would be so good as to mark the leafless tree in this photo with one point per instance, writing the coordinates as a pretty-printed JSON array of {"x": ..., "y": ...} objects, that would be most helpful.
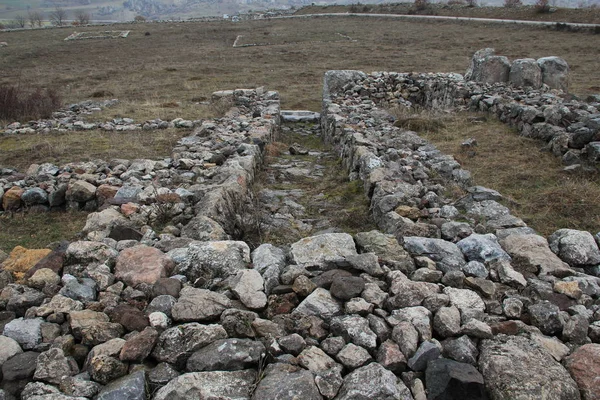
[
  {"x": 58, "y": 16},
  {"x": 21, "y": 21},
  {"x": 35, "y": 19},
  {"x": 82, "y": 17}
]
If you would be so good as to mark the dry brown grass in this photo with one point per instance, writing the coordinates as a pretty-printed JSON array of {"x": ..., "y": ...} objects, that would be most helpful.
[
  {"x": 532, "y": 180},
  {"x": 21, "y": 151}
]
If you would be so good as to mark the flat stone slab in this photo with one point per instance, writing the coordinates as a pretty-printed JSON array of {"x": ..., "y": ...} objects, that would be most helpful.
[{"x": 300, "y": 116}]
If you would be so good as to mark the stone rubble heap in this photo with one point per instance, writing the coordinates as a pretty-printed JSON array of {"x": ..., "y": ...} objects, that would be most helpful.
[
  {"x": 73, "y": 118},
  {"x": 533, "y": 100},
  {"x": 448, "y": 301}
]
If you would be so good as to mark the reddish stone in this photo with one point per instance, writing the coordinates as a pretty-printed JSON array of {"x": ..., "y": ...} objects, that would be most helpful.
[
  {"x": 139, "y": 346},
  {"x": 142, "y": 264},
  {"x": 506, "y": 327},
  {"x": 129, "y": 208},
  {"x": 130, "y": 317},
  {"x": 12, "y": 198},
  {"x": 281, "y": 304},
  {"x": 584, "y": 366},
  {"x": 105, "y": 192}
]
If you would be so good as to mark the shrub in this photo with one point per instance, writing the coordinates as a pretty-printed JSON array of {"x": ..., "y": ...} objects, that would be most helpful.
[
  {"x": 139, "y": 18},
  {"x": 542, "y": 6},
  {"x": 512, "y": 3},
  {"x": 421, "y": 5},
  {"x": 18, "y": 104},
  {"x": 471, "y": 3}
]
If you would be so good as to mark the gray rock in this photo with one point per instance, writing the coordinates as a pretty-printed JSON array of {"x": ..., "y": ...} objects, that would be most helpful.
[
  {"x": 546, "y": 317},
  {"x": 248, "y": 286},
  {"x": 199, "y": 305},
  {"x": 475, "y": 269},
  {"x": 53, "y": 365},
  {"x": 575, "y": 247},
  {"x": 227, "y": 355},
  {"x": 347, "y": 287},
  {"x": 293, "y": 344},
  {"x": 34, "y": 196},
  {"x": 465, "y": 299},
  {"x": 204, "y": 229},
  {"x": 81, "y": 191},
  {"x": 19, "y": 367},
  {"x": 269, "y": 261},
  {"x": 322, "y": 252},
  {"x": 387, "y": 248},
  {"x": 225, "y": 385},
  {"x": 407, "y": 338},
  {"x": 390, "y": 357},
  {"x": 315, "y": 360},
  {"x": 84, "y": 290},
  {"x": 335, "y": 81},
  {"x": 555, "y": 72},
  {"x": 446, "y": 254},
  {"x": 488, "y": 68},
  {"x": 447, "y": 321},
  {"x": 353, "y": 356},
  {"x": 531, "y": 253},
  {"x": 515, "y": 368},
  {"x": 508, "y": 275},
  {"x": 448, "y": 379},
  {"x": 283, "y": 381},
  {"x": 525, "y": 72},
  {"x": 162, "y": 374},
  {"x": 366, "y": 262},
  {"x": 512, "y": 307},
  {"x": 329, "y": 382},
  {"x": 208, "y": 264},
  {"x": 176, "y": 345},
  {"x": 26, "y": 332},
  {"x": 319, "y": 303},
  {"x": 373, "y": 382},
  {"x": 163, "y": 303},
  {"x": 374, "y": 295},
  {"x": 461, "y": 349},
  {"x": 454, "y": 231},
  {"x": 8, "y": 348},
  {"x": 355, "y": 329},
  {"x": 427, "y": 351},
  {"x": 576, "y": 330},
  {"x": 482, "y": 248},
  {"x": 130, "y": 387},
  {"x": 332, "y": 345}
]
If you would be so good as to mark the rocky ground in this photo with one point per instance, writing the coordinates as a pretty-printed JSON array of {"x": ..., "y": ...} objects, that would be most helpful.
[{"x": 450, "y": 300}]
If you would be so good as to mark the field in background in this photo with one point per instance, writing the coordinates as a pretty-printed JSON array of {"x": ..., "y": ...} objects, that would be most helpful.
[
  {"x": 590, "y": 15},
  {"x": 169, "y": 70}
]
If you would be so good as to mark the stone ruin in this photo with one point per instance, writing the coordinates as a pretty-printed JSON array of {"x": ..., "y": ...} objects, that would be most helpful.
[
  {"x": 98, "y": 35},
  {"x": 447, "y": 300}
]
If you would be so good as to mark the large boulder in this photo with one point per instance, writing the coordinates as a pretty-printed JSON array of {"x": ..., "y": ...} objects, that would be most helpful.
[
  {"x": 223, "y": 385},
  {"x": 323, "y": 252},
  {"x": 447, "y": 255},
  {"x": 584, "y": 366},
  {"x": 321, "y": 304},
  {"x": 531, "y": 254},
  {"x": 199, "y": 305},
  {"x": 486, "y": 67},
  {"x": 451, "y": 380},
  {"x": 335, "y": 80},
  {"x": 142, "y": 264},
  {"x": 269, "y": 261},
  {"x": 130, "y": 387},
  {"x": 555, "y": 72},
  {"x": 210, "y": 263},
  {"x": 526, "y": 72},
  {"x": 204, "y": 229},
  {"x": 285, "y": 381},
  {"x": 575, "y": 247},
  {"x": 21, "y": 260},
  {"x": 513, "y": 367},
  {"x": 227, "y": 355},
  {"x": 373, "y": 382}
]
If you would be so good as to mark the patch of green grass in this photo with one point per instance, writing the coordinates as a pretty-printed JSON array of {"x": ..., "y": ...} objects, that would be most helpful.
[{"x": 38, "y": 230}]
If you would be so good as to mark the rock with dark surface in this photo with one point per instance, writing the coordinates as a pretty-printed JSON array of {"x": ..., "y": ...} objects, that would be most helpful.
[
  {"x": 199, "y": 305},
  {"x": 53, "y": 261},
  {"x": 222, "y": 385},
  {"x": 80, "y": 191},
  {"x": 142, "y": 264},
  {"x": 546, "y": 317},
  {"x": 373, "y": 382},
  {"x": 451, "y": 380},
  {"x": 482, "y": 248},
  {"x": 283, "y": 381},
  {"x": 226, "y": 355},
  {"x": 461, "y": 349},
  {"x": 139, "y": 345},
  {"x": 52, "y": 366},
  {"x": 130, "y": 387},
  {"x": 176, "y": 345},
  {"x": 575, "y": 247},
  {"x": 20, "y": 366},
  {"x": 345, "y": 288},
  {"x": 427, "y": 351},
  {"x": 584, "y": 366},
  {"x": 515, "y": 368},
  {"x": 132, "y": 318},
  {"x": 93, "y": 327}
]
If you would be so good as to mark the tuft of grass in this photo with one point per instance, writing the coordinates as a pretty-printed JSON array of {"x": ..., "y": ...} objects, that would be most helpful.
[
  {"x": 18, "y": 103},
  {"x": 532, "y": 180}
]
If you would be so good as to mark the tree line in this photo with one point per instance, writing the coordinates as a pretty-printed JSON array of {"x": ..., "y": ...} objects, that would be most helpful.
[{"x": 57, "y": 17}]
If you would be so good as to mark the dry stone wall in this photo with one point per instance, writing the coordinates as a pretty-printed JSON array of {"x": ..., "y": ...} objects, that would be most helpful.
[{"x": 570, "y": 128}]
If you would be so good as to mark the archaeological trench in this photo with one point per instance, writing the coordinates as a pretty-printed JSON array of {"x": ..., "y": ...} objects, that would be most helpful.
[{"x": 251, "y": 289}]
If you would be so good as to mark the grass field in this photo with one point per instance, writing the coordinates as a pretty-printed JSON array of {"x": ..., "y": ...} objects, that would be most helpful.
[{"x": 169, "y": 70}]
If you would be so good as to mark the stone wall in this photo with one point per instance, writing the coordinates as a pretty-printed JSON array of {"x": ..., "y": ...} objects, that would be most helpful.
[
  {"x": 207, "y": 176},
  {"x": 570, "y": 128}
]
